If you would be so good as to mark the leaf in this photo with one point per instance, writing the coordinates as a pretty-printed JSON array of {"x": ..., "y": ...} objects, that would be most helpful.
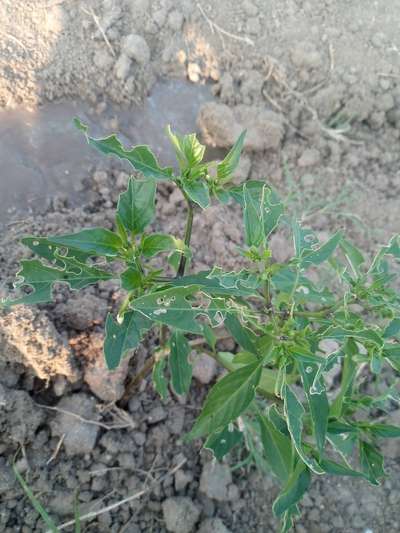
[
  {"x": 40, "y": 278},
  {"x": 272, "y": 211},
  {"x": 189, "y": 151},
  {"x": 294, "y": 413},
  {"x": 386, "y": 431},
  {"x": 159, "y": 380},
  {"x": 172, "y": 308},
  {"x": 278, "y": 449},
  {"x": 337, "y": 469},
  {"x": 122, "y": 338},
  {"x": 140, "y": 157},
  {"x": 317, "y": 401},
  {"x": 296, "y": 486},
  {"x": 222, "y": 442},
  {"x": 96, "y": 241},
  {"x": 288, "y": 281},
  {"x": 242, "y": 335},
  {"x": 393, "y": 329},
  {"x": 131, "y": 279},
  {"x": 197, "y": 190},
  {"x": 180, "y": 368},
  {"x": 45, "y": 248},
  {"x": 228, "y": 165},
  {"x": 323, "y": 252},
  {"x": 234, "y": 280},
  {"x": 305, "y": 240},
  {"x": 157, "y": 243},
  {"x": 210, "y": 336},
  {"x": 362, "y": 335},
  {"x": 136, "y": 206},
  {"x": 392, "y": 353},
  {"x": 392, "y": 249},
  {"x": 353, "y": 256},
  {"x": 371, "y": 462},
  {"x": 348, "y": 373},
  {"x": 227, "y": 399},
  {"x": 253, "y": 222},
  {"x": 213, "y": 285}
]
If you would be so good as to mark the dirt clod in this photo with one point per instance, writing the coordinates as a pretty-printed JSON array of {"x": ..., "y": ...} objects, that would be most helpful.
[{"x": 180, "y": 514}]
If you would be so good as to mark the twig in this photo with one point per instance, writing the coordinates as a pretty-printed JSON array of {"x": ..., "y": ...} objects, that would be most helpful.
[
  {"x": 85, "y": 420},
  {"x": 97, "y": 22},
  {"x": 215, "y": 26},
  {"x": 137, "y": 495},
  {"x": 56, "y": 451}
]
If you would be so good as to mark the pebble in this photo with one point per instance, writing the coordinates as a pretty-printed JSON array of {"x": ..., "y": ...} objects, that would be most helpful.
[
  {"x": 122, "y": 67},
  {"x": 180, "y": 514},
  {"x": 309, "y": 158},
  {"x": 157, "y": 414},
  {"x": 204, "y": 368},
  {"x": 136, "y": 48},
  {"x": 215, "y": 480},
  {"x": 214, "y": 525}
]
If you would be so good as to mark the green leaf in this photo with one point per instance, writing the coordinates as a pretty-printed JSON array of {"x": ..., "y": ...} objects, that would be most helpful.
[
  {"x": 157, "y": 243},
  {"x": 222, "y": 442},
  {"x": 210, "y": 336},
  {"x": 234, "y": 280},
  {"x": 180, "y": 368},
  {"x": 353, "y": 256},
  {"x": 253, "y": 222},
  {"x": 317, "y": 401},
  {"x": 228, "y": 165},
  {"x": 393, "y": 329},
  {"x": 392, "y": 249},
  {"x": 197, "y": 190},
  {"x": 386, "y": 431},
  {"x": 140, "y": 157},
  {"x": 296, "y": 486},
  {"x": 227, "y": 400},
  {"x": 189, "y": 151},
  {"x": 323, "y": 252},
  {"x": 371, "y": 462},
  {"x": 172, "y": 308},
  {"x": 136, "y": 206},
  {"x": 96, "y": 241},
  {"x": 159, "y": 379},
  {"x": 214, "y": 285},
  {"x": 348, "y": 373},
  {"x": 45, "y": 248},
  {"x": 305, "y": 240},
  {"x": 392, "y": 353},
  {"x": 40, "y": 278},
  {"x": 131, "y": 279},
  {"x": 242, "y": 335},
  {"x": 278, "y": 449},
  {"x": 362, "y": 335},
  {"x": 272, "y": 211},
  {"x": 337, "y": 469},
  {"x": 294, "y": 413},
  {"x": 122, "y": 338}
]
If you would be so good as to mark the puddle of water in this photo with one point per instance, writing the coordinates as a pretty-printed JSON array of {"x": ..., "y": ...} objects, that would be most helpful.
[{"x": 41, "y": 152}]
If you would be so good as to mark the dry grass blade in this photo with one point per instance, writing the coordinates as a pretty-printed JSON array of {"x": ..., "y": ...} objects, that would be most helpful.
[{"x": 108, "y": 508}]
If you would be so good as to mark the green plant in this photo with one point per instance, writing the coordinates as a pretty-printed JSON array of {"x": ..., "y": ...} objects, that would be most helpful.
[{"x": 274, "y": 392}]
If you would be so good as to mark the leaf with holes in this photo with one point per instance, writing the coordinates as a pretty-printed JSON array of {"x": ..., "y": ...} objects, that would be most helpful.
[
  {"x": 180, "y": 368},
  {"x": 136, "y": 206}
]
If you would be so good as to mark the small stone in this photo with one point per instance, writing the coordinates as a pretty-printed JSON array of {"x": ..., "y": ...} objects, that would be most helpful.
[
  {"x": 385, "y": 102},
  {"x": 136, "y": 48},
  {"x": 265, "y": 128},
  {"x": 122, "y": 67},
  {"x": 194, "y": 72},
  {"x": 80, "y": 436},
  {"x": 204, "y": 368},
  {"x": 306, "y": 55},
  {"x": 214, "y": 525},
  {"x": 215, "y": 480},
  {"x": 218, "y": 125},
  {"x": 82, "y": 311},
  {"x": 180, "y": 514},
  {"x": 157, "y": 414},
  {"x": 102, "y": 59},
  {"x": 309, "y": 158},
  {"x": 378, "y": 40},
  {"x": 280, "y": 247},
  {"x": 182, "y": 479}
]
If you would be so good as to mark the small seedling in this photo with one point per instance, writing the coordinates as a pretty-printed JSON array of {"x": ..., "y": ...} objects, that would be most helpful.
[{"x": 274, "y": 395}]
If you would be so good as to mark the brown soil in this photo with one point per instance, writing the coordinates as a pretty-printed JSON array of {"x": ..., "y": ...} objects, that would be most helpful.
[{"x": 317, "y": 84}]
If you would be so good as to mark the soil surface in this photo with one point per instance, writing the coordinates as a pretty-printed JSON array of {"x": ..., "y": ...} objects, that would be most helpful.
[{"x": 317, "y": 85}]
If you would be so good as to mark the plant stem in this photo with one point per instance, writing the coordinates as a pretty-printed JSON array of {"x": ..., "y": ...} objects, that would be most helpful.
[{"x": 188, "y": 236}]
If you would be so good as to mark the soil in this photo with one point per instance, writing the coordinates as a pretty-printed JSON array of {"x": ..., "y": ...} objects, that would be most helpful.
[{"x": 317, "y": 84}]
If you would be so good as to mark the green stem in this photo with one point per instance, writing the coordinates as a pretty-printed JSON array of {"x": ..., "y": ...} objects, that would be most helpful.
[{"x": 188, "y": 236}]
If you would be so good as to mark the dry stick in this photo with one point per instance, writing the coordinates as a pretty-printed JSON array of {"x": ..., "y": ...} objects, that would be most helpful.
[
  {"x": 97, "y": 22},
  {"x": 82, "y": 419},
  {"x": 215, "y": 26},
  {"x": 94, "y": 514}
]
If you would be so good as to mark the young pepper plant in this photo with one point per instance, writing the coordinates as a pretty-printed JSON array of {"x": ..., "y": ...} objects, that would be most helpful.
[{"x": 279, "y": 318}]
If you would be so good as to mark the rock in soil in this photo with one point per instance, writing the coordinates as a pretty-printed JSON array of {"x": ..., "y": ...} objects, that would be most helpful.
[
  {"x": 82, "y": 311},
  {"x": 75, "y": 420},
  {"x": 214, "y": 525},
  {"x": 180, "y": 514},
  {"x": 204, "y": 368},
  {"x": 215, "y": 480},
  {"x": 19, "y": 417},
  {"x": 218, "y": 125},
  {"x": 27, "y": 336}
]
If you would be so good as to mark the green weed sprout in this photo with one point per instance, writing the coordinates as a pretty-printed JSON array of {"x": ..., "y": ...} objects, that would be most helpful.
[{"x": 277, "y": 316}]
